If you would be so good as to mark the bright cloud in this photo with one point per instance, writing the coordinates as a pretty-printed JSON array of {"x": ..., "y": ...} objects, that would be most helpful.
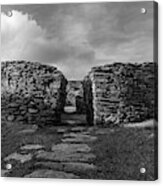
[
  {"x": 23, "y": 38},
  {"x": 75, "y": 37}
]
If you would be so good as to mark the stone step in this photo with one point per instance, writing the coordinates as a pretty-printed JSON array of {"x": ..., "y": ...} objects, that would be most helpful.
[
  {"x": 75, "y": 135},
  {"x": 78, "y": 129},
  {"x": 74, "y": 167},
  {"x": 46, "y": 173},
  {"x": 30, "y": 130},
  {"x": 30, "y": 147},
  {"x": 19, "y": 157},
  {"x": 79, "y": 138},
  {"x": 61, "y": 130},
  {"x": 71, "y": 148},
  {"x": 61, "y": 156}
]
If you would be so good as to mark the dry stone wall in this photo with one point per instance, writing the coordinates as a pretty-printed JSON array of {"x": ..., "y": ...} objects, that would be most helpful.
[
  {"x": 31, "y": 93},
  {"x": 121, "y": 93}
]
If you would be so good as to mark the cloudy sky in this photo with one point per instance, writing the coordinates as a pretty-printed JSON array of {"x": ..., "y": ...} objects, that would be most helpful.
[{"x": 75, "y": 37}]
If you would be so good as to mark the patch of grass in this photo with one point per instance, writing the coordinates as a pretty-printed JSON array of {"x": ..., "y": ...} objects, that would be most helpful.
[{"x": 122, "y": 153}]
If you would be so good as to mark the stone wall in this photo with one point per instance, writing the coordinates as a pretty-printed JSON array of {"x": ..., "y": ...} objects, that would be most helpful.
[
  {"x": 88, "y": 99},
  {"x": 31, "y": 93},
  {"x": 80, "y": 104},
  {"x": 121, "y": 93}
]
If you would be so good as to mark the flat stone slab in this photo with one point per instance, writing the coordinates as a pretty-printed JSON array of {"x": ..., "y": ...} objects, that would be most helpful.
[
  {"x": 32, "y": 147},
  {"x": 19, "y": 157},
  {"x": 45, "y": 173},
  {"x": 71, "y": 135},
  {"x": 104, "y": 131},
  {"x": 61, "y": 156},
  {"x": 75, "y": 135},
  {"x": 70, "y": 109},
  {"x": 71, "y": 148},
  {"x": 67, "y": 167},
  {"x": 29, "y": 131},
  {"x": 62, "y": 130},
  {"x": 49, "y": 165},
  {"x": 150, "y": 123},
  {"x": 78, "y": 167},
  {"x": 70, "y": 122},
  {"x": 78, "y": 138},
  {"x": 86, "y": 132},
  {"x": 78, "y": 129}
]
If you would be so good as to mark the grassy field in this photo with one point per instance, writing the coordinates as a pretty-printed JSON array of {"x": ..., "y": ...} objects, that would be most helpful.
[{"x": 120, "y": 152}]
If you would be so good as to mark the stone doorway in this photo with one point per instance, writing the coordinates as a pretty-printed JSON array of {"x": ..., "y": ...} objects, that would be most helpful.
[{"x": 74, "y": 109}]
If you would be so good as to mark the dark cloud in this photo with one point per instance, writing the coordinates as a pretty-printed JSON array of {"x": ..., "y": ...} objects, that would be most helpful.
[{"x": 78, "y": 35}]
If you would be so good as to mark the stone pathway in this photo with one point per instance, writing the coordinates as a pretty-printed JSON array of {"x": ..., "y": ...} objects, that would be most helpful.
[
  {"x": 46, "y": 173},
  {"x": 19, "y": 157},
  {"x": 69, "y": 159},
  {"x": 28, "y": 131}
]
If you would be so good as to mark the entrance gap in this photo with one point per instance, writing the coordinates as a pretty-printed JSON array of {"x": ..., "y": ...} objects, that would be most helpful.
[{"x": 74, "y": 110}]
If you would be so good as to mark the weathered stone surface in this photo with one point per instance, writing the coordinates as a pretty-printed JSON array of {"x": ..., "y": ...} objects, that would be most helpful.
[
  {"x": 30, "y": 130},
  {"x": 75, "y": 135},
  {"x": 104, "y": 131},
  {"x": 32, "y": 92},
  {"x": 45, "y": 173},
  {"x": 61, "y": 130},
  {"x": 19, "y": 157},
  {"x": 32, "y": 147},
  {"x": 69, "y": 109},
  {"x": 32, "y": 111},
  {"x": 70, "y": 122},
  {"x": 74, "y": 167},
  {"x": 49, "y": 165},
  {"x": 78, "y": 167},
  {"x": 59, "y": 156},
  {"x": 77, "y": 129},
  {"x": 78, "y": 138},
  {"x": 148, "y": 123},
  {"x": 120, "y": 93},
  {"x": 27, "y": 131},
  {"x": 10, "y": 118},
  {"x": 71, "y": 148}
]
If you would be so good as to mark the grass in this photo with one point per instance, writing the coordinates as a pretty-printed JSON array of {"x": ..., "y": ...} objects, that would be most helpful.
[
  {"x": 120, "y": 153},
  {"x": 11, "y": 141}
]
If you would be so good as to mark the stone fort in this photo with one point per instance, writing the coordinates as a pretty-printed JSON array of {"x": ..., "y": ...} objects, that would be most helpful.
[{"x": 111, "y": 94}]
